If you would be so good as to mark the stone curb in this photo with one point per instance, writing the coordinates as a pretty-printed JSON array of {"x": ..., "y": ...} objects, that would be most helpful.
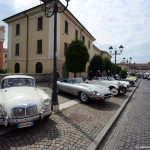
[{"x": 98, "y": 140}]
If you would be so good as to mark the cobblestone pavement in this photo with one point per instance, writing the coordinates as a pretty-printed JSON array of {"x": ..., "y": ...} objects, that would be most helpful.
[
  {"x": 72, "y": 129},
  {"x": 131, "y": 131}
]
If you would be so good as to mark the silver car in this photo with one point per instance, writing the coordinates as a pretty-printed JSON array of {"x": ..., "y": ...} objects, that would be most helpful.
[{"x": 78, "y": 87}]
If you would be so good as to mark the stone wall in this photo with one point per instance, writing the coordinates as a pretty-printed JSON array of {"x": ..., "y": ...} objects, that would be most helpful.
[{"x": 39, "y": 77}]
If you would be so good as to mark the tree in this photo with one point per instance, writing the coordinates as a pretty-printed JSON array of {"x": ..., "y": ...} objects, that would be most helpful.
[
  {"x": 123, "y": 74},
  {"x": 76, "y": 57},
  {"x": 107, "y": 64},
  {"x": 97, "y": 63}
]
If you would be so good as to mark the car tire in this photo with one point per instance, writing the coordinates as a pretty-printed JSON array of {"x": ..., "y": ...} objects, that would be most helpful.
[
  {"x": 114, "y": 91},
  {"x": 84, "y": 97},
  {"x": 131, "y": 83},
  {"x": 122, "y": 91}
]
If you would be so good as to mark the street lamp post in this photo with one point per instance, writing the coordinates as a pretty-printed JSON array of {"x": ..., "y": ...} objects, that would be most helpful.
[
  {"x": 49, "y": 12},
  {"x": 116, "y": 52},
  {"x": 127, "y": 61}
]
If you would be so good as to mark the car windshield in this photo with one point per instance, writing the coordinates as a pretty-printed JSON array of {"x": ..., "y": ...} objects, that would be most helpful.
[
  {"x": 103, "y": 78},
  {"x": 111, "y": 79},
  {"x": 75, "y": 80},
  {"x": 13, "y": 82}
]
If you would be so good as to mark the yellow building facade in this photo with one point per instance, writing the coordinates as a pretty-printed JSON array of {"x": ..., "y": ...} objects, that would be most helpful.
[{"x": 31, "y": 41}]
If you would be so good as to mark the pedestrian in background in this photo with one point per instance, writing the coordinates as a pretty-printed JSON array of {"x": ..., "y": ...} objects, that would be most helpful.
[
  {"x": 108, "y": 73},
  {"x": 99, "y": 74},
  {"x": 57, "y": 74},
  {"x": 91, "y": 75},
  {"x": 104, "y": 73}
]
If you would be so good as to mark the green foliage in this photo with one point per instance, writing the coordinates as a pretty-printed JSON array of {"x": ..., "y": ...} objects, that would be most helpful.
[
  {"x": 118, "y": 69},
  {"x": 3, "y": 70},
  {"x": 97, "y": 63},
  {"x": 76, "y": 57},
  {"x": 112, "y": 68},
  {"x": 107, "y": 64},
  {"x": 132, "y": 74},
  {"x": 123, "y": 74}
]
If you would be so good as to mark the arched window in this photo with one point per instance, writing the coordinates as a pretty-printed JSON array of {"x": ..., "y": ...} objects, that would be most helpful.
[
  {"x": 39, "y": 67},
  {"x": 17, "y": 68}
]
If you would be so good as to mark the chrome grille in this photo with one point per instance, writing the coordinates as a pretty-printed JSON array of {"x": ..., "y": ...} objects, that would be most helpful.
[
  {"x": 31, "y": 110},
  {"x": 17, "y": 112},
  {"x": 24, "y": 111}
]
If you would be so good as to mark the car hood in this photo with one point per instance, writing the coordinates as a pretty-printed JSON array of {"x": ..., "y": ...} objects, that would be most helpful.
[
  {"x": 95, "y": 87},
  {"x": 19, "y": 94}
]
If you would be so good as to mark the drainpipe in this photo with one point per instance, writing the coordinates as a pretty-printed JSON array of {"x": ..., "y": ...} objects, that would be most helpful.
[{"x": 27, "y": 43}]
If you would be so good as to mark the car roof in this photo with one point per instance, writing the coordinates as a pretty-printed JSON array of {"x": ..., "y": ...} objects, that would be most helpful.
[{"x": 17, "y": 76}]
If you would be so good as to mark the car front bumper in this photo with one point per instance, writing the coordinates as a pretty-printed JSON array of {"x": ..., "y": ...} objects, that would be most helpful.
[
  {"x": 105, "y": 97},
  {"x": 11, "y": 121}
]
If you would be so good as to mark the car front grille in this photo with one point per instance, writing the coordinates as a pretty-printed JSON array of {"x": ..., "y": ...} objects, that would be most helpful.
[{"x": 23, "y": 111}]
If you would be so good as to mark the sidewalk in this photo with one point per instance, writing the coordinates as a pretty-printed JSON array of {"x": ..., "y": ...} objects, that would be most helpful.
[{"x": 77, "y": 127}]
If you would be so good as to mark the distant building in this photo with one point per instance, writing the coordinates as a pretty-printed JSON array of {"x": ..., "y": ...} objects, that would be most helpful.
[
  {"x": 5, "y": 58},
  {"x": 2, "y": 39},
  {"x": 135, "y": 67}
]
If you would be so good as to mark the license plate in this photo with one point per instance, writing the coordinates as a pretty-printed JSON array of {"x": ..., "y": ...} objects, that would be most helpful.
[{"x": 25, "y": 124}]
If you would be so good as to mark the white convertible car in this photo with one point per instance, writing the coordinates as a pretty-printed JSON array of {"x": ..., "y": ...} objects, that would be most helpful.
[
  {"x": 21, "y": 102},
  {"x": 115, "y": 86}
]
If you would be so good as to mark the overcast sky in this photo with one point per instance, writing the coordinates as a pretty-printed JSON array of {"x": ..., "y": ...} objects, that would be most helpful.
[{"x": 111, "y": 22}]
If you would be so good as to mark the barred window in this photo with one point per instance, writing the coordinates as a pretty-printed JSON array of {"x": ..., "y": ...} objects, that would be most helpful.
[
  {"x": 40, "y": 23},
  {"x": 66, "y": 27},
  {"x": 17, "y": 49},
  {"x": 17, "y": 29},
  {"x": 39, "y": 47},
  {"x": 89, "y": 44},
  {"x": 83, "y": 39},
  {"x": 65, "y": 48},
  {"x": 76, "y": 34}
]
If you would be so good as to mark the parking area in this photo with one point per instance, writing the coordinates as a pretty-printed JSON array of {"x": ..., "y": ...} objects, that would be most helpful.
[{"x": 74, "y": 128}]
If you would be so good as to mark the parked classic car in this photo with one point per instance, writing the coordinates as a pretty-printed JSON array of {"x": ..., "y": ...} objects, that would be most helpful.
[
  {"x": 76, "y": 86},
  {"x": 21, "y": 102},
  {"x": 115, "y": 87},
  {"x": 126, "y": 83},
  {"x": 130, "y": 80}
]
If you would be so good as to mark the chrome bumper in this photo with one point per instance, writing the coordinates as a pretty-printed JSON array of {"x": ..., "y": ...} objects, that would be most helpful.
[
  {"x": 105, "y": 97},
  {"x": 11, "y": 121}
]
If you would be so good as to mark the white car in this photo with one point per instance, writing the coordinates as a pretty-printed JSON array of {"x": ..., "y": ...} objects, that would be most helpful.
[
  {"x": 122, "y": 82},
  {"x": 21, "y": 102},
  {"x": 115, "y": 87}
]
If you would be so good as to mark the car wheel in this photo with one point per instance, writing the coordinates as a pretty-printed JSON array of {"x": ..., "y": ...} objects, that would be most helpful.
[
  {"x": 131, "y": 83},
  {"x": 122, "y": 91},
  {"x": 114, "y": 91},
  {"x": 84, "y": 97}
]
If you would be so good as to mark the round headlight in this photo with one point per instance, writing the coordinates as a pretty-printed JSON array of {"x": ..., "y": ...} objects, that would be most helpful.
[{"x": 47, "y": 102}]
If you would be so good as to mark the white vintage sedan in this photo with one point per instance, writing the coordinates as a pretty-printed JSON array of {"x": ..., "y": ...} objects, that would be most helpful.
[{"x": 21, "y": 102}]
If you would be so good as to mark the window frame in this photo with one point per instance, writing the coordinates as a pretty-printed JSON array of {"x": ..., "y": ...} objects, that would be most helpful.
[
  {"x": 17, "y": 29},
  {"x": 40, "y": 23},
  {"x": 65, "y": 47},
  {"x": 39, "y": 46},
  {"x": 66, "y": 27},
  {"x": 17, "y": 49}
]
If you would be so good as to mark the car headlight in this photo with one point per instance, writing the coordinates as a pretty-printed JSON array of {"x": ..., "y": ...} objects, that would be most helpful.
[
  {"x": 118, "y": 84},
  {"x": 47, "y": 102},
  {"x": 95, "y": 93}
]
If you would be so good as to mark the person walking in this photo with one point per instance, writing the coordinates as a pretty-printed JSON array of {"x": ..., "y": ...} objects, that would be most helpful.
[
  {"x": 104, "y": 73},
  {"x": 99, "y": 74}
]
